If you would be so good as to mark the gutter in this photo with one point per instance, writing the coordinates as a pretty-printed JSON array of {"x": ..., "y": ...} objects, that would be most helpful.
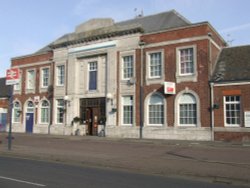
[{"x": 212, "y": 109}]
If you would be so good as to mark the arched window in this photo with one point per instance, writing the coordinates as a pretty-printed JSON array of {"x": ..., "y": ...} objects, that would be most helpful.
[
  {"x": 16, "y": 116},
  {"x": 44, "y": 118},
  {"x": 30, "y": 107},
  {"x": 187, "y": 110},
  {"x": 156, "y": 110}
]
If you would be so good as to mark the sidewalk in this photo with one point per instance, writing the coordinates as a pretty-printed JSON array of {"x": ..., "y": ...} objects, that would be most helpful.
[{"x": 212, "y": 161}]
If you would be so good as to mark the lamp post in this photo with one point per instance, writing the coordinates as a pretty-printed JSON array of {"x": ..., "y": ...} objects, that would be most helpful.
[{"x": 141, "y": 44}]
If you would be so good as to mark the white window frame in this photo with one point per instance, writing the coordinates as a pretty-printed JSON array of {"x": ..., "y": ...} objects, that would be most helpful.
[
  {"x": 29, "y": 80},
  {"x": 41, "y": 111},
  {"x": 225, "y": 111},
  {"x": 60, "y": 77},
  {"x": 57, "y": 111},
  {"x": 164, "y": 110},
  {"x": 180, "y": 77},
  {"x": 123, "y": 66},
  {"x": 122, "y": 109},
  {"x": 179, "y": 115},
  {"x": 149, "y": 64},
  {"x": 90, "y": 70},
  {"x": 155, "y": 79},
  {"x": 42, "y": 77},
  {"x": 16, "y": 110}
]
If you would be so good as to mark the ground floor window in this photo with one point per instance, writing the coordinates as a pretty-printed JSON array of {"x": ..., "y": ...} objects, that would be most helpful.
[
  {"x": 16, "y": 118},
  {"x": 127, "y": 107},
  {"x": 156, "y": 110},
  {"x": 232, "y": 110},
  {"x": 187, "y": 110},
  {"x": 44, "y": 112},
  {"x": 59, "y": 110}
]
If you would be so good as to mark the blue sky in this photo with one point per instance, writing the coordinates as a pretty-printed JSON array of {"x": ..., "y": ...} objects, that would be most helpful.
[{"x": 28, "y": 25}]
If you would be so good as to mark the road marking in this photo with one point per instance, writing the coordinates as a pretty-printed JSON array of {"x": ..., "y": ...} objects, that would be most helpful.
[{"x": 21, "y": 181}]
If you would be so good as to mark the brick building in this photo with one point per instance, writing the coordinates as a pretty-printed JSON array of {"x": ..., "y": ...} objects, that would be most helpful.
[
  {"x": 231, "y": 95},
  {"x": 120, "y": 73},
  {"x": 4, "y": 103},
  {"x": 31, "y": 102}
]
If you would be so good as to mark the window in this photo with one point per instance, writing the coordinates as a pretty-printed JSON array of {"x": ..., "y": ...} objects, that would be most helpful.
[
  {"x": 92, "y": 75},
  {"x": 60, "y": 75},
  {"x": 156, "y": 110},
  {"x": 44, "y": 112},
  {"x": 17, "y": 86},
  {"x": 45, "y": 77},
  {"x": 16, "y": 116},
  {"x": 30, "y": 107},
  {"x": 232, "y": 110},
  {"x": 31, "y": 79},
  {"x": 155, "y": 65},
  {"x": 186, "y": 61},
  {"x": 59, "y": 110},
  {"x": 127, "y": 107},
  {"x": 187, "y": 110},
  {"x": 128, "y": 69}
]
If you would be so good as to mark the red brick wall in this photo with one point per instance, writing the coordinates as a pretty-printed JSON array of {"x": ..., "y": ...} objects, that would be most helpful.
[
  {"x": 4, "y": 103},
  {"x": 201, "y": 87},
  {"x": 232, "y": 136},
  {"x": 31, "y": 59},
  {"x": 31, "y": 62},
  {"x": 219, "y": 92}
]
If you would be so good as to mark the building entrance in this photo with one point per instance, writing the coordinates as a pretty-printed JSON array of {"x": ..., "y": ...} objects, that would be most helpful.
[{"x": 92, "y": 111}]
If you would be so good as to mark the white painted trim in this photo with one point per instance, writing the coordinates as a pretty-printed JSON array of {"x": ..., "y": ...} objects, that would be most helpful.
[
  {"x": 231, "y": 84},
  {"x": 185, "y": 40},
  {"x": 93, "y": 47},
  {"x": 33, "y": 64}
]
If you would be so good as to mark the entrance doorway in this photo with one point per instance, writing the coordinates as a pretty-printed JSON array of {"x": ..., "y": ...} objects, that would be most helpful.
[
  {"x": 29, "y": 122},
  {"x": 92, "y": 121},
  {"x": 29, "y": 117},
  {"x": 92, "y": 110}
]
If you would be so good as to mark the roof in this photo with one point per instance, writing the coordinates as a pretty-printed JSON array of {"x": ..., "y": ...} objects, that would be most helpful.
[
  {"x": 158, "y": 22},
  {"x": 4, "y": 89},
  {"x": 143, "y": 24},
  {"x": 233, "y": 64}
]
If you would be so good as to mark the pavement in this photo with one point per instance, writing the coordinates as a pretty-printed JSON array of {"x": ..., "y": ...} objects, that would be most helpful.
[{"x": 220, "y": 162}]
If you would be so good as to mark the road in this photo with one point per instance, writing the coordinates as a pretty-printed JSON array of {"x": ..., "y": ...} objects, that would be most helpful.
[{"x": 23, "y": 173}]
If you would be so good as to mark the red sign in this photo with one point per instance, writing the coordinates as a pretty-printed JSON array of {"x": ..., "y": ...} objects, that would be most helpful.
[
  {"x": 169, "y": 88},
  {"x": 12, "y": 76}
]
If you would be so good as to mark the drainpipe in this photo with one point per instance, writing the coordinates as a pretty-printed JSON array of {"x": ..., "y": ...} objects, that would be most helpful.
[
  {"x": 141, "y": 44},
  {"x": 212, "y": 110}
]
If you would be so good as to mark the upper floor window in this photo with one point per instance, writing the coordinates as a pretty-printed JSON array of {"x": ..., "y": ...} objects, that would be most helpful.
[
  {"x": 155, "y": 65},
  {"x": 17, "y": 87},
  {"x": 128, "y": 66},
  {"x": 186, "y": 61},
  {"x": 30, "y": 79},
  {"x": 60, "y": 75},
  {"x": 93, "y": 75},
  {"x": 187, "y": 110},
  {"x": 16, "y": 116},
  {"x": 127, "y": 108},
  {"x": 45, "y": 77},
  {"x": 156, "y": 110},
  {"x": 232, "y": 110}
]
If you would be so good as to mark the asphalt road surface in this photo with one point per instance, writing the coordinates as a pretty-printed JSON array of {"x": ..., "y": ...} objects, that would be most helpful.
[{"x": 22, "y": 173}]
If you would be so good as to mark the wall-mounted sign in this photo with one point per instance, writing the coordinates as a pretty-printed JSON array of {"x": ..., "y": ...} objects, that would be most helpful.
[
  {"x": 12, "y": 76},
  {"x": 169, "y": 88},
  {"x": 247, "y": 118}
]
